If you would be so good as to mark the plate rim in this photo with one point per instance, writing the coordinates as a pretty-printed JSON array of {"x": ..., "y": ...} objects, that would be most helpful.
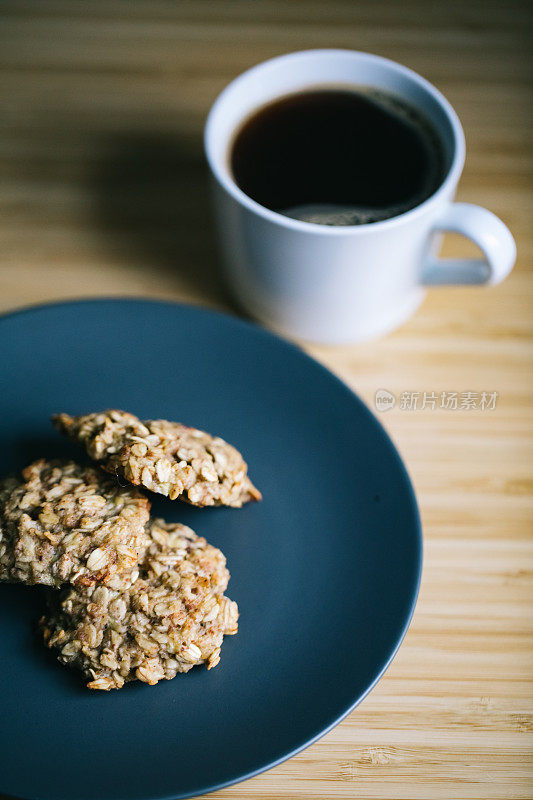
[{"x": 295, "y": 347}]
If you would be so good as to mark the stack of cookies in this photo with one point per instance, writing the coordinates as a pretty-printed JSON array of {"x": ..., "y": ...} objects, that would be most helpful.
[{"x": 138, "y": 598}]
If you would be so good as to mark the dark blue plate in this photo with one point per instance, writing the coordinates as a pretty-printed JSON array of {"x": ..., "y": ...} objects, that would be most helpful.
[{"x": 325, "y": 569}]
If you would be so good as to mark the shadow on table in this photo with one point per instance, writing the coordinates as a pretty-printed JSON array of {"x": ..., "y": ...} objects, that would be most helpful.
[{"x": 151, "y": 200}]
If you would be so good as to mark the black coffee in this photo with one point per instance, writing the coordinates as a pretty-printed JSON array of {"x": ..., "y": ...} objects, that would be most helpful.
[{"x": 338, "y": 156}]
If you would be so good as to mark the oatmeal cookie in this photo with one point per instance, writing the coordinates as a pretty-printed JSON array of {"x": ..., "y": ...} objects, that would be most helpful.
[
  {"x": 172, "y": 615},
  {"x": 62, "y": 522},
  {"x": 166, "y": 457}
]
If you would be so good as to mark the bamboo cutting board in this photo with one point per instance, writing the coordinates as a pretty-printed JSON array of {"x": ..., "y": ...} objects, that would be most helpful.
[{"x": 103, "y": 193}]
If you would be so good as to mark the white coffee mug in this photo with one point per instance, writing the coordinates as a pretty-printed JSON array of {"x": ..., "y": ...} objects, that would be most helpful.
[{"x": 345, "y": 283}]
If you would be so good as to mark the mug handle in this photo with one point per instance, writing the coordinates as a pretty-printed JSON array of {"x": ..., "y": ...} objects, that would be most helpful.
[{"x": 488, "y": 232}]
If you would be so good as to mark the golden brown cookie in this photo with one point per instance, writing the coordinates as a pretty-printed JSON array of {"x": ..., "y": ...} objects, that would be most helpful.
[
  {"x": 61, "y": 522},
  {"x": 170, "y": 617},
  {"x": 165, "y": 457}
]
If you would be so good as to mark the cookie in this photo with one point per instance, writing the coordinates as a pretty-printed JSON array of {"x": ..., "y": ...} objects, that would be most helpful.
[
  {"x": 165, "y": 457},
  {"x": 171, "y": 616},
  {"x": 61, "y": 522}
]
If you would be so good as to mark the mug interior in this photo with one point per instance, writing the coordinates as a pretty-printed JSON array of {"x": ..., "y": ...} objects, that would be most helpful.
[{"x": 319, "y": 68}]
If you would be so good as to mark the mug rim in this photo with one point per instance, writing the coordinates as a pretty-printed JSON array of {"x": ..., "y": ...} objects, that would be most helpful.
[{"x": 450, "y": 180}]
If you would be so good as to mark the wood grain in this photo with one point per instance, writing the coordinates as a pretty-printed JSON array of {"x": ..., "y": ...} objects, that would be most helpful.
[{"x": 103, "y": 193}]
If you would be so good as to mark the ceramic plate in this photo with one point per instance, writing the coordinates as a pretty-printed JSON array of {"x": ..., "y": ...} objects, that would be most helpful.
[{"x": 325, "y": 569}]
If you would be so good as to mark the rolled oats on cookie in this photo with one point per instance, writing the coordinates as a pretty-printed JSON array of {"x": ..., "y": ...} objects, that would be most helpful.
[
  {"x": 61, "y": 522},
  {"x": 167, "y": 457},
  {"x": 172, "y": 616}
]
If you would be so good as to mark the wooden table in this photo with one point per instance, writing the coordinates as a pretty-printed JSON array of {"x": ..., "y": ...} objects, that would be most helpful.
[{"x": 103, "y": 193}]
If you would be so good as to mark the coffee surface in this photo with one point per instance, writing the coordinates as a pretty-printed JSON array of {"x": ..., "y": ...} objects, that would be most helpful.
[{"x": 337, "y": 156}]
